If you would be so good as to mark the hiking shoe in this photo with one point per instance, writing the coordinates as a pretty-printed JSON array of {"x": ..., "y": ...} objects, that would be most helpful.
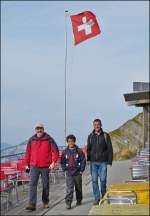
[
  {"x": 45, "y": 205},
  {"x": 31, "y": 207},
  {"x": 78, "y": 203},
  {"x": 96, "y": 202},
  {"x": 68, "y": 205}
]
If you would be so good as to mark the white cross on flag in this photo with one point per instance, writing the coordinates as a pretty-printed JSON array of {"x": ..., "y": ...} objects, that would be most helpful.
[{"x": 84, "y": 26}]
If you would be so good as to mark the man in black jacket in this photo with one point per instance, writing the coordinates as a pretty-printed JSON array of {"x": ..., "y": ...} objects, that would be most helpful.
[{"x": 100, "y": 154}]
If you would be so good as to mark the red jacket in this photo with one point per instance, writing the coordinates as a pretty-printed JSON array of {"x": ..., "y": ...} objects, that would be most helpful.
[{"x": 41, "y": 152}]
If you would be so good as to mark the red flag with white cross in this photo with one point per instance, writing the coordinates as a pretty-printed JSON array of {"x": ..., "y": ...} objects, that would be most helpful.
[{"x": 84, "y": 26}]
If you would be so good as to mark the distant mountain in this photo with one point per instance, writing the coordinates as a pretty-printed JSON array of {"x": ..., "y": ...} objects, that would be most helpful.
[
  {"x": 128, "y": 138},
  {"x": 14, "y": 149},
  {"x": 5, "y": 145}
]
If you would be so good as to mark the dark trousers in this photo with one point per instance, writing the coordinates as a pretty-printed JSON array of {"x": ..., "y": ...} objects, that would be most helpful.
[
  {"x": 35, "y": 172},
  {"x": 71, "y": 182}
]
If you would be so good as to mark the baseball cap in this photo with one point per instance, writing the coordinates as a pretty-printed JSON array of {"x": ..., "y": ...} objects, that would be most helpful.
[{"x": 40, "y": 125}]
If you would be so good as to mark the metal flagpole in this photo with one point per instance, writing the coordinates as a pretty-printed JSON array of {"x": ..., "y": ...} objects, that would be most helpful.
[{"x": 65, "y": 75}]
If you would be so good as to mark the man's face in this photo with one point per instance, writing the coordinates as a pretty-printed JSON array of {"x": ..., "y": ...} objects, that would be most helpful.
[
  {"x": 39, "y": 131},
  {"x": 97, "y": 126},
  {"x": 71, "y": 143}
]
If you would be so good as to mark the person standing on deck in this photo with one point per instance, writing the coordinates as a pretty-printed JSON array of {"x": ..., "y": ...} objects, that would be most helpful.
[
  {"x": 73, "y": 163},
  {"x": 99, "y": 154},
  {"x": 41, "y": 155}
]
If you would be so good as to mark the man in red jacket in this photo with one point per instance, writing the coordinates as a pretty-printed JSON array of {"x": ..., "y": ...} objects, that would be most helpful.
[{"x": 41, "y": 155}]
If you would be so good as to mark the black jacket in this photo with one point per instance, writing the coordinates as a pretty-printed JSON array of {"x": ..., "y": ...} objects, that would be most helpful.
[
  {"x": 79, "y": 161},
  {"x": 99, "y": 147}
]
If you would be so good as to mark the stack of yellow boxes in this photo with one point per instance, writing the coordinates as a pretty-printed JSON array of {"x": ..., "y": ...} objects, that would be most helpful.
[
  {"x": 141, "y": 190},
  {"x": 138, "y": 190}
]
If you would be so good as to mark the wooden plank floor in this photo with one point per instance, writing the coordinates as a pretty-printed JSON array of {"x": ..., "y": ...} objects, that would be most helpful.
[
  {"x": 117, "y": 173},
  {"x": 138, "y": 209},
  {"x": 58, "y": 190},
  {"x": 57, "y": 194},
  {"x": 18, "y": 208}
]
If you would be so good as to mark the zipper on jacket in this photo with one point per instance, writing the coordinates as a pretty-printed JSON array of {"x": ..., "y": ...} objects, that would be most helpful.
[{"x": 96, "y": 146}]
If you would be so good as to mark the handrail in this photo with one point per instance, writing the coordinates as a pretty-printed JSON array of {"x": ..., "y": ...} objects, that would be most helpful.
[
  {"x": 136, "y": 180},
  {"x": 118, "y": 191},
  {"x": 125, "y": 198}
]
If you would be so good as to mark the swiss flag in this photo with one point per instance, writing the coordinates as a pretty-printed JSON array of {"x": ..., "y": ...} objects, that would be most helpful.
[{"x": 84, "y": 26}]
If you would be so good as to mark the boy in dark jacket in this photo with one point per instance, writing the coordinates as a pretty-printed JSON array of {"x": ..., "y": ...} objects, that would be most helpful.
[{"x": 73, "y": 163}]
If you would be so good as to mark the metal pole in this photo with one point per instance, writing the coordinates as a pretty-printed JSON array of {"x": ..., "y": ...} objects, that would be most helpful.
[{"x": 65, "y": 76}]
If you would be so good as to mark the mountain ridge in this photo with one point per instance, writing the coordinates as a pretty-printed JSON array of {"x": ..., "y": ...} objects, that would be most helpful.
[
  {"x": 5, "y": 145},
  {"x": 126, "y": 140}
]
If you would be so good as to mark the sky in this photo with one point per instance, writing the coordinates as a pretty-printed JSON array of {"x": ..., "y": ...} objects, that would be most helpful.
[{"x": 99, "y": 70}]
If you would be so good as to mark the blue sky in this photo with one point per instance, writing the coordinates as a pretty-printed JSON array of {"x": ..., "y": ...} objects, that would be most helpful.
[{"x": 99, "y": 70}]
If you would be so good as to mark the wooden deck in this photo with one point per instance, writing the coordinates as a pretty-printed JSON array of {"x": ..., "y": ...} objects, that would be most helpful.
[
  {"x": 57, "y": 195},
  {"x": 18, "y": 208},
  {"x": 138, "y": 209},
  {"x": 119, "y": 172}
]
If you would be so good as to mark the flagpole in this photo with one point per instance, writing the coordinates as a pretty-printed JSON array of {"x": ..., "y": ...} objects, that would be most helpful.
[{"x": 65, "y": 76}]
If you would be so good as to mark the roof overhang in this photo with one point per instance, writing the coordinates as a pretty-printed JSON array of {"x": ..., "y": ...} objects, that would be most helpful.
[{"x": 138, "y": 98}]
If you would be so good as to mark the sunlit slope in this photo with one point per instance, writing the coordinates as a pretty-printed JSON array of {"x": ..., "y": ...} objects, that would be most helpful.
[{"x": 128, "y": 138}]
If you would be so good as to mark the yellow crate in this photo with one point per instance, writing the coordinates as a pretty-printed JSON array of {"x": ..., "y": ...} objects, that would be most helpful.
[{"x": 140, "y": 188}]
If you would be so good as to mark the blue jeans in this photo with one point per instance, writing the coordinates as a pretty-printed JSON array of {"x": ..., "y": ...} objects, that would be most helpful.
[{"x": 99, "y": 169}]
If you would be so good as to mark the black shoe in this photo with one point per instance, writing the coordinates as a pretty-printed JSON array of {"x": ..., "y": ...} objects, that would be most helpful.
[
  {"x": 96, "y": 202},
  {"x": 78, "y": 203},
  {"x": 68, "y": 205}
]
